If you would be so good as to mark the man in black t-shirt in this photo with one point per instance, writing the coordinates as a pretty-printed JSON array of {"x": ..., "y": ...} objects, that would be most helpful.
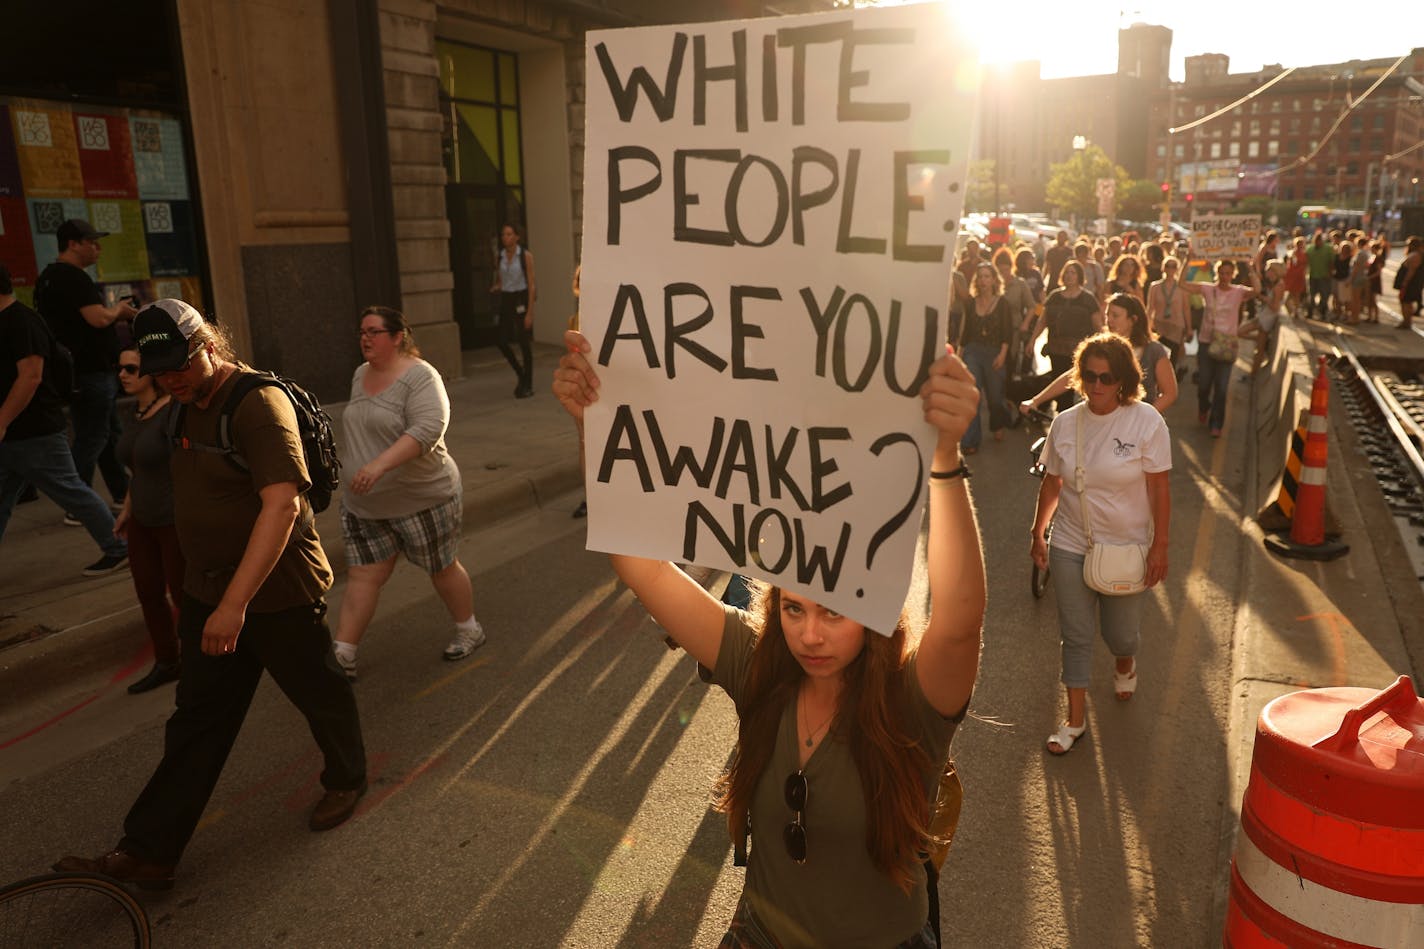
[
  {"x": 33, "y": 444},
  {"x": 71, "y": 304}
]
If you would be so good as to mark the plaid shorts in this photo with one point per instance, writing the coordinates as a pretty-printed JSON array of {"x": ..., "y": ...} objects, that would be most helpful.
[{"x": 430, "y": 539}]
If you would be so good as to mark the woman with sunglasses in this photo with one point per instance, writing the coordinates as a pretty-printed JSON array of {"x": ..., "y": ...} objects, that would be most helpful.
[
  {"x": 146, "y": 519},
  {"x": 844, "y": 730},
  {"x": 1110, "y": 452},
  {"x": 406, "y": 495}
]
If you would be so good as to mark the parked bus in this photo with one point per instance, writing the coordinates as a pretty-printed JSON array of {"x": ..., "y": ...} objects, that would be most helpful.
[{"x": 1313, "y": 216}]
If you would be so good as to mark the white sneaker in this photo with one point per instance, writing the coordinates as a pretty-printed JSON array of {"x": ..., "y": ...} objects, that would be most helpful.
[
  {"x": 348, "y": 666},
  {"x": 465, "y": 643}
]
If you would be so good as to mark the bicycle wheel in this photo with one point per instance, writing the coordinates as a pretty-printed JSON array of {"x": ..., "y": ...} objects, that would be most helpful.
[{"x": 61, "y": 910}]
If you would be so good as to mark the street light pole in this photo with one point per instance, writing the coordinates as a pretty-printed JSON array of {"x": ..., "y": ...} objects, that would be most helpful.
[{"x": 1080, "y": 145}]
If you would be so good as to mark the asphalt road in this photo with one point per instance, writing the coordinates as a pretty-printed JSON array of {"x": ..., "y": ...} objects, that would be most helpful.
[{"x": 552, "y": 790}]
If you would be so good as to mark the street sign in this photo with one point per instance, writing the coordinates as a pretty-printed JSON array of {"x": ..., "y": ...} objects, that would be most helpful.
[{"x": 1107, "y": 190}]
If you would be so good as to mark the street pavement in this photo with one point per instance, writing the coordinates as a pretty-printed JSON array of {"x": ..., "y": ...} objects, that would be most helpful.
[{"x": 553, "y": 789}]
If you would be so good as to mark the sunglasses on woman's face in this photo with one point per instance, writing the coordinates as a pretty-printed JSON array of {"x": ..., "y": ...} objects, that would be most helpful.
[
  {"x": 794, "y": 836},
  {"x": 1090, "y": 377},
  {"x": 128, "y": 368}
]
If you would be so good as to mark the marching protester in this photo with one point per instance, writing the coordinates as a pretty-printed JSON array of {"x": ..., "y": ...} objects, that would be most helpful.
[
  {"x": 1169, "y": 313},
  {"x": 1295, "y": 279},
  {"x": 253, "y": 598},
  {"x": 405, "y": 496},
  {"x": 841, "y": 727},
  {"x": 146, "y": 520},
  {"x": 1070, "y": 314},
  {"x": 987, "y": 327},
  {"x": 34, "y": 448},
  {"x": 1106, "y": 483},
  {"x": 1409, "y": 281},
  {"x": 1216, "y": 353},
  {"x": 1268, "y": 310}
]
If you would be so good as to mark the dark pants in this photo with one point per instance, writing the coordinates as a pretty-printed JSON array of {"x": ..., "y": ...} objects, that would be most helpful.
[
  {"x": 1213, "y": 380},
  {"x": 1319, "y": 296},
  {"x": 96, "y": 431},
  {"x": 213, "y": 695},
  {"x": 1060, "y": 365},
  {"x": 156, "y": 563},
  {"x": 511, "y": 331}
]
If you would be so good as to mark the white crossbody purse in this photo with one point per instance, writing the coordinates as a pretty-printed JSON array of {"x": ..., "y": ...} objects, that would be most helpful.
[{"x": 1113, "y": 569}]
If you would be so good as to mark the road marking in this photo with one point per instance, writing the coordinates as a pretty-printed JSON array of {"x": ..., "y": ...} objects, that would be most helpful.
[
  {"x": 443, "y": 681},
  {"x": 132, "y": 666}
]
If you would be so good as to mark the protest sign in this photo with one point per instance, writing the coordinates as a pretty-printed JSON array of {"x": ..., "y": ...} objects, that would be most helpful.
[
  {"x": 764, "y": 285},
  {"x": 1219, "y": 236}
]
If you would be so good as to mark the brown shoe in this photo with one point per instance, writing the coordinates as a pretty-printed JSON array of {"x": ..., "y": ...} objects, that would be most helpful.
[
  {"x": 335, "y": 808},
  {"x": 124, "y": 867}
]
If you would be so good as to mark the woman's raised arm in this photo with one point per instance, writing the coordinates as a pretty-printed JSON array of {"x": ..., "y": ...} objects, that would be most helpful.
[{"x": 949, "y": 651}]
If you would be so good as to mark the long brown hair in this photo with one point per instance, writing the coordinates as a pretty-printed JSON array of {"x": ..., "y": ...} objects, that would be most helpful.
[{"x": 873, "y": 717}]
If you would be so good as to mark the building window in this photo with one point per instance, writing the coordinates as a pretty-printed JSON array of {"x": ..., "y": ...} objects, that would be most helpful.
[
  {"x": 1275, "y": 126},
  {"x": 1273, "y": 148},
  {"x": 1234, "y": 150},
  {"x": 1236, "y": 129},
  {"x": 1275, "y": 105},
  {"x": 1294, "y": 126},
  {"x": 1354, "y": 146},
  {"x": 1353, "y": 168},
  {"x": 1357, "y": 123},
  {"x": 1255, "y": 106},
  {"x": 1295, "y": 105},
  {"x": 1315, "y": 123},
  {"x": 480, "y": 91},
  {"x": 1161, "y": 151},
  {"x": 1253, "y": 149},
  {"x": 1379, "y": 121},
  {"x": 1179, "y": 151},
  {"x": 1197, "y": 150},
  {"x": 1199, "y": 111},
  {"x": 1215, "y": 149},
  {"x": 1317, "y": 104},
  {"x": 1236, "y": 111}
]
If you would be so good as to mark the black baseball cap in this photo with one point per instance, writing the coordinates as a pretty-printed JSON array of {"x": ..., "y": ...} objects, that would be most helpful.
[
  {"x": 162, "y": 332},
  {"x": 77, "y": 229}
]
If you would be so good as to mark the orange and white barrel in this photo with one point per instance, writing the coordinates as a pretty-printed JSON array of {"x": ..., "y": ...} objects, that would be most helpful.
[{"x": 1331, "y": 848}]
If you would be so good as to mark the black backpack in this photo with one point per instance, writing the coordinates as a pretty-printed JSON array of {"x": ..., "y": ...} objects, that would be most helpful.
[{"x": 318, "y": 439}]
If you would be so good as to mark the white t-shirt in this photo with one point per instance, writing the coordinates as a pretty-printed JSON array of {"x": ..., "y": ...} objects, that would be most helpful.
[{"x": 1119, "y": 450}]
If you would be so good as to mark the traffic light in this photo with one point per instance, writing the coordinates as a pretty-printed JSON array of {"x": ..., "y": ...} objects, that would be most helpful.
[
  {"x": 1166, "y": 189},
  {"x": 1189, "y": 198}
]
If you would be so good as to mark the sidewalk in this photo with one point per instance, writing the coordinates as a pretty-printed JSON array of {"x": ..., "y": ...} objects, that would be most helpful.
[{"x": 514, "y": 454}]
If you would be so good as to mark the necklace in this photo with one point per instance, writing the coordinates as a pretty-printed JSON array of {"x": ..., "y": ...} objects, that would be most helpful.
[
  {"x": 142, "y": 410},
  {"x": 811, "y": 735}
]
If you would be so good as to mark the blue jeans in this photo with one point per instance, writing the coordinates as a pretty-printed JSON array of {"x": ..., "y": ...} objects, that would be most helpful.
[
  {"x": 979, "y": 358},
  {"x": 1081, "y": 609},
  {"x": 46, "y": 463},
  {"x": 1213, "y": 377},
  {"x": 96, "y": 425}
]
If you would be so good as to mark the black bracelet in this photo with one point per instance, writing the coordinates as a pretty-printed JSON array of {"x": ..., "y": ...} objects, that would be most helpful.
[{"x": 961, "y": 472}]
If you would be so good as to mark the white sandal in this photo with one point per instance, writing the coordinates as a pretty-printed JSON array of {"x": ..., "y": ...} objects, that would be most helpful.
[
  {"x": 1065, "y": 738},
  {"x": 1125, "y": 683}
]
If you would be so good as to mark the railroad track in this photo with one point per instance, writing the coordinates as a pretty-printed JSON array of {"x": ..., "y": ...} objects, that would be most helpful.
[{"x": 1384, "y": 398}]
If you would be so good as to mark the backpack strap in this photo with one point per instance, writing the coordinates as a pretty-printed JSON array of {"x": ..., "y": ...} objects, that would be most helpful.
[{"x": 246, "y": 382}]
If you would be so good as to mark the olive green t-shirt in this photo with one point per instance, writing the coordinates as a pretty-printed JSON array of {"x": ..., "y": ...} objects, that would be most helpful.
[
  {"x": 837, "y": 897},
  {"x": 215, "y": 504}
]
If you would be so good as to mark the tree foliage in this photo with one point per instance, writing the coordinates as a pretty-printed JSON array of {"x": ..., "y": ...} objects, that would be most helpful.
[
  {"x": 1141, "y": 201},
  {"x": 1073, "y": 184}
]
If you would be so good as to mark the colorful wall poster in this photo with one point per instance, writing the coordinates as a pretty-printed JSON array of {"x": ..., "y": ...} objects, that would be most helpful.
[
  {"x": 158, "y": 158},
  {"x": 124, "y": 254},
  {"x": 17, "y": 246},
  {"x": 49, "y": 157},
  {"x": 11, "y": 184},
  {"x": 105, "y": 156},
  {"x": 172, "y": 238}
]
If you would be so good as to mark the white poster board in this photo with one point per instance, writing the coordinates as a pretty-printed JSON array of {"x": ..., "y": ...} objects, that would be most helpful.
[
  {"x": 769, "y": 211},
  {"x": 1223, "y": 236}
]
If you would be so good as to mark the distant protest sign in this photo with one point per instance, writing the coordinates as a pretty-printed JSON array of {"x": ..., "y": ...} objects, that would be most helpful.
[
  {"x": 1219, "y": 236},
  {"x": 767, "y": 207}
]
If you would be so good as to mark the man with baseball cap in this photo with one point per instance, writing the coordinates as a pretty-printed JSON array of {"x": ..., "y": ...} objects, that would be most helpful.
[
  {"x": 253, "y": 593},
  {"x": 74, "y": 308},
  {"x": 34, "y": 448}
]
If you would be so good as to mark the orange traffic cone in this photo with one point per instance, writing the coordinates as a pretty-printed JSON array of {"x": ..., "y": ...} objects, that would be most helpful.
[{"x": 1307, "y": 539}]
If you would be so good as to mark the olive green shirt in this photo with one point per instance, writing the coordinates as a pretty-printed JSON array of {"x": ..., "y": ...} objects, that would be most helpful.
[
  {"x": 215, "y": 504},
  {"x": 837, "y": 897}
]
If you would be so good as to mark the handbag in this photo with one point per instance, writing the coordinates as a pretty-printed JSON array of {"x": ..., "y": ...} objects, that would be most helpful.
[{"x": 1112, "y": 569}]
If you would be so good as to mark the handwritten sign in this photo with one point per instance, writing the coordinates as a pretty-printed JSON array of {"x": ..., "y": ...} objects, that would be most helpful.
[
  {"x": 765, "y": 269},
  {"x": 1218, "y": 236}
]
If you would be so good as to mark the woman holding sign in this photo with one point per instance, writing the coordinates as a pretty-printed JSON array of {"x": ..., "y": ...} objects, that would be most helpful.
[{"x": 844, "y": 730}]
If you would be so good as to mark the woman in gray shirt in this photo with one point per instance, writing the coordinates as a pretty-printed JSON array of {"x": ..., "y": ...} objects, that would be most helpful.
[{"x": 405, "y": 496}]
